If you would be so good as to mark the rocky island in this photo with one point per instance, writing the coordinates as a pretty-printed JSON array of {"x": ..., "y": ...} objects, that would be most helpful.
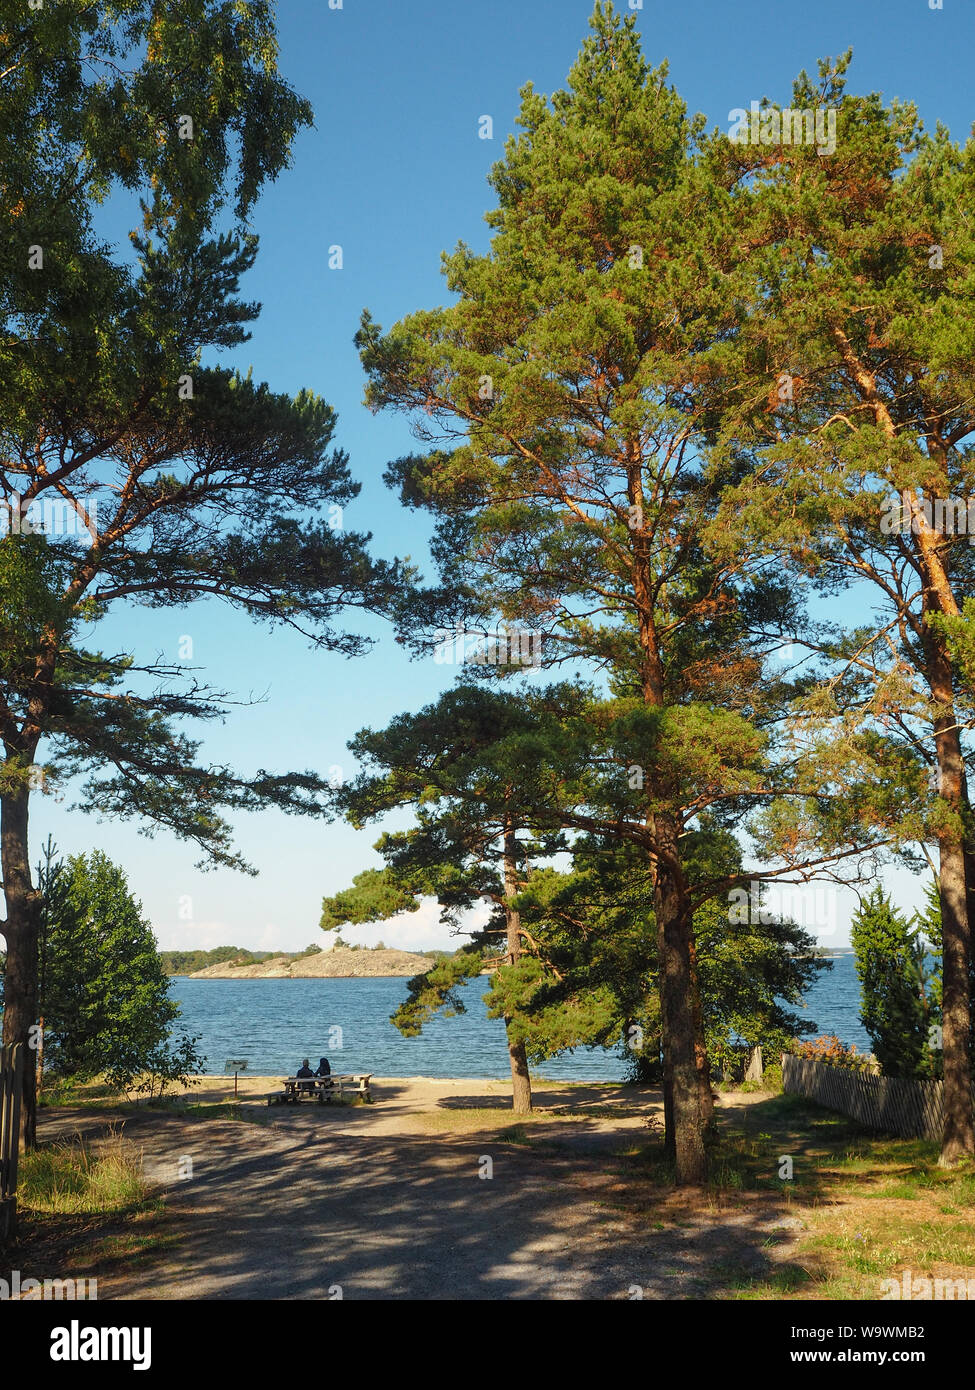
[{"x": 340, "y": 963}]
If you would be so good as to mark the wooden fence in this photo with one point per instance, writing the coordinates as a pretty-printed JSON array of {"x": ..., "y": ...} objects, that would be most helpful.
[
  {"x": 11, "y": 1089},
  {"x": 909, "y": 1109}
]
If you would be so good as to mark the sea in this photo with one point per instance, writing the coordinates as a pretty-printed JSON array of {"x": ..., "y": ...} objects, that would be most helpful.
[{"x": 273, "y": 1024}]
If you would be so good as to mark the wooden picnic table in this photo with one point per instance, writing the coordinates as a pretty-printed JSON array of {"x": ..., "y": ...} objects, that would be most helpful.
[{"x": 322, "y": 1088}]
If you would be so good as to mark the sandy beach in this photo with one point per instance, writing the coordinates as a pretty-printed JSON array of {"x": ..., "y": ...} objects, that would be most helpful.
[{"x": 410, "y": 1104}]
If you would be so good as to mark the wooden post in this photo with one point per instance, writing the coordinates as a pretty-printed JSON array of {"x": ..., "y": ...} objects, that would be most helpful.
[
  {"x": 11, "y": 1090},
  {"x": 754, "y": 1071},
  {"x": 238, "y": 1064}
]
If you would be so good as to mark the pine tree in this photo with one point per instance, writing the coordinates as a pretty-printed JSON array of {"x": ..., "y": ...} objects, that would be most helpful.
[
  {"x": 584, "y": 364},
  {"x": 129, "y": 472},
  {"x": 853, "y": 383},
  {"x": 574, "y": 506},
  {"x": 460, "y": 764}
]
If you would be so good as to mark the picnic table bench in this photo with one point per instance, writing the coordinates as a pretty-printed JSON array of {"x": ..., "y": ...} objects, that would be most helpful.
[{"x": 323, "y": 1089}]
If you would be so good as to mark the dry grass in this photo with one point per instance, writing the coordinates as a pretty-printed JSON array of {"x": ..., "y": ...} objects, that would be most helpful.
[{"x": 70, "y": 1176}]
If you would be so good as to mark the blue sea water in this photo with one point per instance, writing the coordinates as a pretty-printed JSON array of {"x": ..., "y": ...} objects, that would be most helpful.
[{"x": 275, "y": 1023}]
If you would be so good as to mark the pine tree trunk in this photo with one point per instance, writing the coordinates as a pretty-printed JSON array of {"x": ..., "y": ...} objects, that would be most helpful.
[
  {"x": 521, "y": 1086},
  {"x": 678, "y": 1006},
  {"x": 687, "y": 1093},
  {"x": 969, "y": 853},
  {"x": 670, "y": 1139},
  {"x": 20, "y": 929},
  {"x": 700, "y": 1047},
  {"x": 670, "y": 1142},
  {"x": 959, "y": 1132}
]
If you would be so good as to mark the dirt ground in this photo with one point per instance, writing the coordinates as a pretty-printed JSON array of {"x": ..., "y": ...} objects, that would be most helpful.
[{"x": 434, "y": 1191}]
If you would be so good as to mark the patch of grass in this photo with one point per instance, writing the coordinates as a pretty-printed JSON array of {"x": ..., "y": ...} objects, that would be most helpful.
[
  {"x": 465, "y": 1119},
  {"x": 88, "y": 1243},
  {"x": 791, "y": 1281},
  {"x": 648, "y": 1163},
  {"x": 59, "y": 1091},
  {"x": 71, "y": 1176},
  {"x": 514, "y": 1134},
  {"x": 228, "y": 1110},
  {"x": 871, "y": 1205},
  {"x": 902, "y": 1191},
  {"x": 134, "y": 1245},
  {"x": 213, "y": 1110},
  {"x": 599, "y": 1112},
  {"x": 462, "y": 1119}
]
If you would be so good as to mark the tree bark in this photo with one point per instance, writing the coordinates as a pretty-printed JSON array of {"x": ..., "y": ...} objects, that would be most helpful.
[
  {"x": 969, "y": 853},
  {"x": 687, "y": 1094},
  {"x": 521, "y": 1086},
  {"x": 670, "y": 1128},
  {"x": 959, "y": 1132},
  {"x": 670, "y": 1141},
  {"x": 20, "y": 929},
  {"x": 700, "y": 1048},
  {"x": 677, "y": 997}
]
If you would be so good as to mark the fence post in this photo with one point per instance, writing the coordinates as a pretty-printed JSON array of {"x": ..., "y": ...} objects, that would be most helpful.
[{"x": 11, "y": 1089}]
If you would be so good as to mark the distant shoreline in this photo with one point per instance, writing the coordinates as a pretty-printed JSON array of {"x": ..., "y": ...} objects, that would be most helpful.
[{"x": 238, "y": 975}]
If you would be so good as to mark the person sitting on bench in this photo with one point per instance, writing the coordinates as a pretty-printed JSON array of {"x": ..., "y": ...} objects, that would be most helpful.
[
  {"x": 323, "y": 1068},
  {"x": 305, "y": 1071}
]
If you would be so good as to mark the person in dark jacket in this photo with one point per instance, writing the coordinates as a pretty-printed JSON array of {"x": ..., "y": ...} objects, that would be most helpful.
[
  {"x": 323, "y": 1068},
  {"x": 305, "y": 1071}
]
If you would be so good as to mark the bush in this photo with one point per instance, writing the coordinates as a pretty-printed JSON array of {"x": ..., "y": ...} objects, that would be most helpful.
[
  {"x": 829, "y": 1049},
  {"x": 105, "y": 996},
  {"x": 771, "y": 1082}
]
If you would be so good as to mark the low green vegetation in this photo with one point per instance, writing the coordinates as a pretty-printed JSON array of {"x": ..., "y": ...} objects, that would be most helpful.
[
  {"x": 69, "y": 1091},
  {"x": 859, "y": 1207},
  {"x": 73, "y": 1176},
  {"x": 104, "y": 999}
]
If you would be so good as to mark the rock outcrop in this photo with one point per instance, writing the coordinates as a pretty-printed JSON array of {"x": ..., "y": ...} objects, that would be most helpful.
[{"x": 337, "y": 964}]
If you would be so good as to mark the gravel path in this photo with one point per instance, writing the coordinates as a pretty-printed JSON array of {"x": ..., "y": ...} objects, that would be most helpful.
[{"x": 366, "y": 1202}]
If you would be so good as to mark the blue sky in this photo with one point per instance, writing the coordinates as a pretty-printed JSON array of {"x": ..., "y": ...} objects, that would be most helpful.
[{"x": 395, "y": 172}]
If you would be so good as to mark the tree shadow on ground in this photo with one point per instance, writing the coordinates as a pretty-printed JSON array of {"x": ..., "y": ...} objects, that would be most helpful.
[
  {"x": 86, "y": 1245},
  {"x": 568, "y": 1208}
]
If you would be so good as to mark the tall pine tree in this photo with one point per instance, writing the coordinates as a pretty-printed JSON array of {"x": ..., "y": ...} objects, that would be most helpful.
[{"x": 129, "y": 472}]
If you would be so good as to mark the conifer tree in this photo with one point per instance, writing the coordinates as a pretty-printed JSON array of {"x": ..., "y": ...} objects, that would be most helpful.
[
  {"x": 892, "y": 1010},
  {"x": 853, "y": 390},
  {"x": 129, "y": 471},
  {"x": 460, "y": 764},
  {"x": 582, "y": 365},
  {"x": 104, "y": 994}
]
